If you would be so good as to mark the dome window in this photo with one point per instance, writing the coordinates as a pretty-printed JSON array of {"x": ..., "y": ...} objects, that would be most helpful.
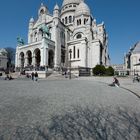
[
  {"x": 79, "y": 22},
  {"x": 85, "y": 21},
  {"x": 66, "y": 20},
  {"x": 79, "y": 36},
  {"x": 70, "y": 19}
]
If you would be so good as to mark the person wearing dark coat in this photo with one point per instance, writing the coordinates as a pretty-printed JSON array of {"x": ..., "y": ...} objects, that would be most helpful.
[
  {"x": 32, "y": 75},
  {"x": 36, "y": 76}
]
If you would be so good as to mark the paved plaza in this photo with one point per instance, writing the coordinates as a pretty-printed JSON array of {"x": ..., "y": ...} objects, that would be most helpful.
[{"x": 24, "y": 102}]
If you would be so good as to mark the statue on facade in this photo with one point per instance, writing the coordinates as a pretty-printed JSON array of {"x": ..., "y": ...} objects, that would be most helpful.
[
  {"x": 20, "y": 41},
  {"x": 45, "y": 30}
]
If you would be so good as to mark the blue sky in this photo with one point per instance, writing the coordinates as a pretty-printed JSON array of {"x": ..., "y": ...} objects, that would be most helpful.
[{"x": 121, "y": 18}]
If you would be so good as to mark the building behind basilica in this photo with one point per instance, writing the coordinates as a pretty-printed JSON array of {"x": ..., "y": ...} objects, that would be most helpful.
[
  {"x": 69, "y": 36},
  {"x": 132, "y": 60}
]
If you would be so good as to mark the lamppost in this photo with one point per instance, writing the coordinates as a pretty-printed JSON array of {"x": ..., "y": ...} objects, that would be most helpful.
[{"x": 70, "y": 51}]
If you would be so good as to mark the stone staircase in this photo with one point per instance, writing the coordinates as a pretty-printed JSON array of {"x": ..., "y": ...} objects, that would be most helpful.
[
  {"x": 55, "y": 75},
  {"x": 58, "y": 76}
]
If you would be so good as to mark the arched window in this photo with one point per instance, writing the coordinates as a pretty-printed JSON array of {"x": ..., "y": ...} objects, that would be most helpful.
[
  {"x": 70, "y": 53},
  {"x": 70, "y": 19},
  {"x": 79, "y": 21},
  {"x": 63, "y": 20},
  {"x": 42, "y": 11},
  {"x": 85, "y": 20},
  {"x": 66, "y": 20},
  {"x": 79, "y": 36},
  {"x": 78, "y": 53},
  {"x": 73, "y": 51}
]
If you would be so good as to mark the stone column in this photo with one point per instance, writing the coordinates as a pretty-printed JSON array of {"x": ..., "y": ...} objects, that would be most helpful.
[
  {"x": 84, "y": 53},
  {"x": 43, "y": 52},
  {"x": 19, "y": 62},
  {"x": 45, "y": 56},
  {"x": 25, "y": 61},
  {"x": 42, "y": 56},
  {"x": 16, "y": 60},
  {"x": 33, "y": 61}
]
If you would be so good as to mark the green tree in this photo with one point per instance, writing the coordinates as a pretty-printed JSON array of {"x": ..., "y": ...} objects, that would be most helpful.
[
  {"x": 109, "y": 71},
  {"x": 99, "y": 70},
  {"x": 11, "y": 56}
]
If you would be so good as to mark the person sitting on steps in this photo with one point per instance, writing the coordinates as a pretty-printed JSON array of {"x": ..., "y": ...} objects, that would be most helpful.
[{"x": 115, "y": 82}]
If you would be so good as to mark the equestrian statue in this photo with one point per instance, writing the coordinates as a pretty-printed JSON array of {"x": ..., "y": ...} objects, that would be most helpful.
[
  {"x": 45, "y": 30},
  {"x": 20, "y": 41}
]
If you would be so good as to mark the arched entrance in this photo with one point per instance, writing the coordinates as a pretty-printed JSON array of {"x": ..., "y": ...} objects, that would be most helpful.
[
  {"x": 21, "y": 60},
  {"x": 37, "y": 58},
  {"x": 29, "y": 58},
  {"x": 51, "y": 59}
]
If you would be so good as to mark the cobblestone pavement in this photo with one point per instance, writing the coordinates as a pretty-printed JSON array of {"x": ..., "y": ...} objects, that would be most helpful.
[
  {"x": 24, "y": 102},
  {"x": 125, "y": 82}
]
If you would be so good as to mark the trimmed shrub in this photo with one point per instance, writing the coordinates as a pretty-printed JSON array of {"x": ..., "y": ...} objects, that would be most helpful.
[
  {"x": 109, "y": 71},
  {"x": 99, "y": 70}
]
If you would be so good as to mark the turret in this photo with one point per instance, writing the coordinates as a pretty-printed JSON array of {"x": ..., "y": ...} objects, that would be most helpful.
[
  {"x": 56, "y": 14},
  {"x": 42, "y": 12},
  {"x": 56, "y": 11},
  {"x": 31, "y": 23}
]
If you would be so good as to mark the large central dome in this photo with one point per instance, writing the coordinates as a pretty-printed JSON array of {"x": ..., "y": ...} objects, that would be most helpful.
[
  {"x": 65, "y": 2},
  {"x": 82, "y": 8}
]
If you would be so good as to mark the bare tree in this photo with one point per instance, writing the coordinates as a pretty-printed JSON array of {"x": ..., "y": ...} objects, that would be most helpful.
[{"x": 84, "y": 124}]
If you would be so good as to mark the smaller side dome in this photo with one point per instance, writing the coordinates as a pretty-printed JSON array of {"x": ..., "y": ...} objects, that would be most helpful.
[
  {"x": 42, "y": 10},
  {"x": 82, "y": 9},
  {"x": 31, "y": 20},
  {"x": 56, "y": 7}
]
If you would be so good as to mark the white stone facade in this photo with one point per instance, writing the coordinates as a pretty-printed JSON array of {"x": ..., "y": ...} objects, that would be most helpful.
[
  {"x": 132, "y": 60},
  {"x": 70, "y": 28}
]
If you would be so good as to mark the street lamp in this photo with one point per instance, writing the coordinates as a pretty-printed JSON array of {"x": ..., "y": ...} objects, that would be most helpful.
[{"x": 70, "y": 51}]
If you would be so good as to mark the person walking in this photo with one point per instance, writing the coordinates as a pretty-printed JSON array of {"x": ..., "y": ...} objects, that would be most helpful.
[
  {"x": 65, "y": 73},
  {"x": 32, "y": 76},
  {"x": 36, "y": 76}
]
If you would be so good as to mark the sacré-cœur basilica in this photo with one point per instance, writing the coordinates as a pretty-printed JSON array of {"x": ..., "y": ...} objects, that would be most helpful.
[{"x": 68, "y": 38}]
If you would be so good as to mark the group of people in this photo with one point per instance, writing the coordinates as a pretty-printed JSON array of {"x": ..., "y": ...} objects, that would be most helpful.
[
  {"x": 33, "y": 76},
  {"x": 8, "y": 77}
]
